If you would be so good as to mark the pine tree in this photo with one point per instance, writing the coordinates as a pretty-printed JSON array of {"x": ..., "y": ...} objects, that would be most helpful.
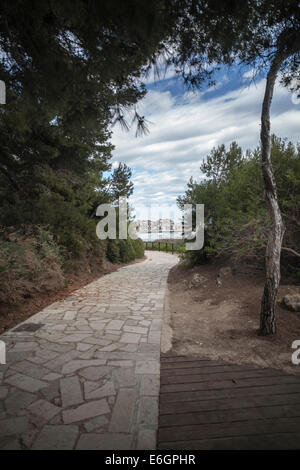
[{"x": 262, "y": 34}]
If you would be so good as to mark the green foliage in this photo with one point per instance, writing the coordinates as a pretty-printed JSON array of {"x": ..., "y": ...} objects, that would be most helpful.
[
  {"x": 27, "y": 261},
  {"x": 59, "y": 184},
  {"x": 236, "y": 219},
  {"x": 120, "y": 182},
  {"x": 210, "y": 34},
  {"x": 46, "y": 246},
  {"x": 127, "y": 252},
  {"x": 80, "y": 57},
  {"x": 138, "y": 246},
  {"x": 166, "y": 246},
  {"x": 72, "y": 69},
  {"x": 113, "y": 251},
  {"x": 124, "y": 251}
]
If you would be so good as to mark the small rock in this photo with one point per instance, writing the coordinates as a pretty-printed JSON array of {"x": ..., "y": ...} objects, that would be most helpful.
[
  {"x": 292, "y": 302},
  {"x": 218, "y": 281},
  {"x": 197, "y": 280},
  {"x": 225, "y": 272}
]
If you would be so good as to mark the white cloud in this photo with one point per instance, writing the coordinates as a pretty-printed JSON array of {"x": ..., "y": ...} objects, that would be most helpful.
[
  {"x": 250, "y": 74},
  {"x": 184, "y": 129}
]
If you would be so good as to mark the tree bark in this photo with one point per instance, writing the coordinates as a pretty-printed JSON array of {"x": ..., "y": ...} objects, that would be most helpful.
[{"x": 268, "y": 302}]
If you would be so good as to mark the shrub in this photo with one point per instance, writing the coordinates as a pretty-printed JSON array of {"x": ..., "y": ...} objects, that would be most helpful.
[
  {"x": 138, "y": 246},
  {"x": 236, "y": 217},
  {"x": 127, "y": 252},
  {"x": 113, "y": 251},
  {"x": 123, "y": 251},
  {"x": 29, "y": 263},
  {"x": 46, "y": 246}
]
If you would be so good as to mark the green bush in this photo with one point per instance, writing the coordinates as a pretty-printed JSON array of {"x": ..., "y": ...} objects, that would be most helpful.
[
  {"x": 138, "y": 246},
  {"x": 30, "y": 261},
  {"x": 236, "y": 217},
  {"x": 127, "y": 252},
  {"x": 46, "y": 246},
  {"x": 71, "y": 227},
  {"x": 124, "y": 251},
  {"x": 113, "y": 251}
]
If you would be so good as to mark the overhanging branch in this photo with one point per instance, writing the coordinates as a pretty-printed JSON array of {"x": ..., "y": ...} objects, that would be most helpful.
[{"x": 290, "y": 250}]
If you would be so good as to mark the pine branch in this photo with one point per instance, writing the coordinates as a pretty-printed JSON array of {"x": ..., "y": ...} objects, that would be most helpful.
[{"x": 290, "y": 250}]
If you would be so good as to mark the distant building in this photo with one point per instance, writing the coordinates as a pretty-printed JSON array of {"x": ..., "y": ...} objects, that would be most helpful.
[{"x": 157, "y": 226}]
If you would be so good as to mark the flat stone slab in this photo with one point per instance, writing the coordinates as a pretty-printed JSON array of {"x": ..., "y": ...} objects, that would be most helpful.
[
  {"x": 122, "y": 415},
  {"x": 11, "y": 426},
  {"x": 18, "y": 400},
  {"x": 94, "y": 372},
  {"x": 150, "y": 385},
  {"x": 73, "y": 366},
  {"x": 71, "y": 392},
  {"x": 106, "y": 390},
  {"x": 24, "y": 382},
  {"x": 147, "y": 367},
  {"x": 130, "y": 338},
  {"x": 146, "y": 439},
  {"x": 96, "y": 423},
  {"x": 109, "y": 441},
  {"x": 115, "y": 325},
  {"x": 56, "y": 438},
  {"x": 88, "y": 378},
  {"x": 86, "y": 411},
  {"x": 43, "y": 409}
]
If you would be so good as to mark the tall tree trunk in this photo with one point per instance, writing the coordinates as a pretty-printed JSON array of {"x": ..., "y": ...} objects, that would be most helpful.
[{"x": 268, "y": 302}]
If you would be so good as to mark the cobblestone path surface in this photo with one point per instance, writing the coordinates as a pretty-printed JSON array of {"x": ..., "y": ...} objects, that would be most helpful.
[{"x": 88, "y": 376}]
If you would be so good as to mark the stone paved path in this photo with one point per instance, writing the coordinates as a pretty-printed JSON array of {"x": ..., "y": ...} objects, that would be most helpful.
[{"x": 88, "y": 378}]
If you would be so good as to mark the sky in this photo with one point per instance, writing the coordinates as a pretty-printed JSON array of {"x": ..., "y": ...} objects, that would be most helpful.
[{"x": 185, "y": 126}]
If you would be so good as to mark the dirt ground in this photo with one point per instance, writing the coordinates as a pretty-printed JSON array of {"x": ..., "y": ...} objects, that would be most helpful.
[
  {"x": 222, "y": 322},
  {"x": 11, "y": 315}
]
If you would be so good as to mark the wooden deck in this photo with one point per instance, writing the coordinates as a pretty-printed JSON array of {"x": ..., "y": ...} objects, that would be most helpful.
[{"x": 213, "y": 405}]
